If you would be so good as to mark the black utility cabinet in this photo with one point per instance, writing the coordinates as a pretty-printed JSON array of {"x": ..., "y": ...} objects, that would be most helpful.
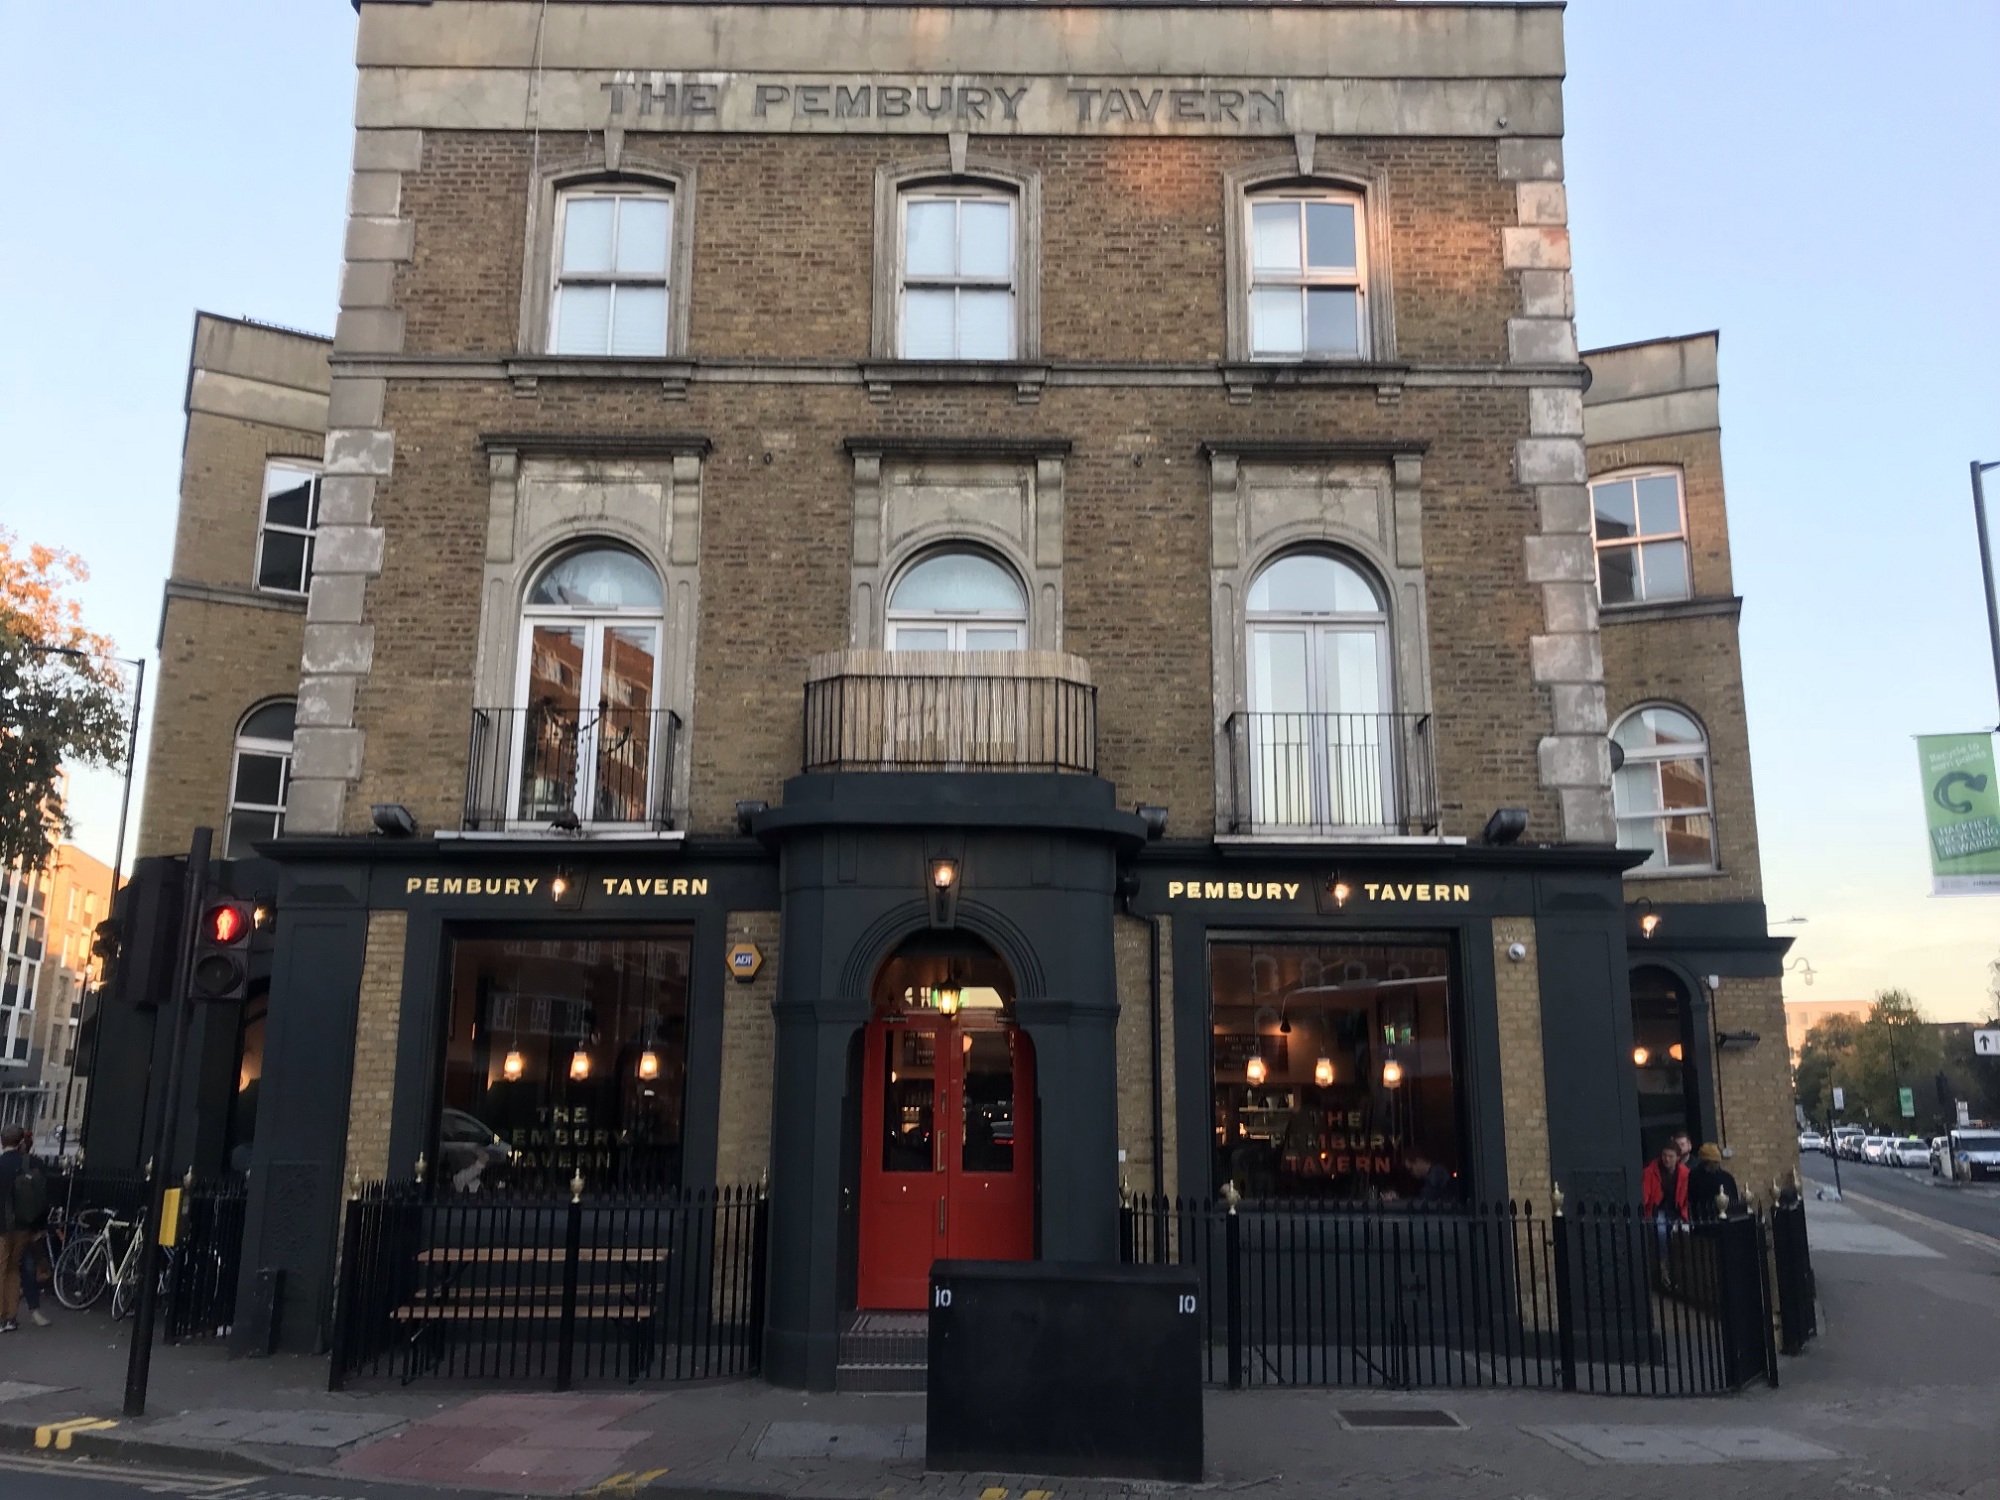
[{"x": 1040, "y": 1367}]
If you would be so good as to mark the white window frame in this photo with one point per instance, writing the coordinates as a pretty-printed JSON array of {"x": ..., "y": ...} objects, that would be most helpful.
[
  {"x": 956, "y": 622},
  {"x": 613, "y": 279},
  {"x": 279, "y": 750},
  {"x": 1353, "y": 279},
  {"x": 1651, "y": 870},
  {"x": 957, "y": 193},
  {"x": 596, "y": 622},
  {"x": 266, "y": 526},
  {"x": 1276, "y": 782},
  {"x": 1633, "y": 543}
]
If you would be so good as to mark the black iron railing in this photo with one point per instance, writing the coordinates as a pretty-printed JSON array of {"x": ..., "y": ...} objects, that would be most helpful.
[
  {"x": 208, "y": 1245},
  {"x": 1411, "y": 1295},
  {"x": 554, "y": 1291},
  {"x": 544, "y": 763},
  {"x": 867, "y": 722},
  {"x": 1332, "y": 773},
  {"x": 1791, "y": 1259}
]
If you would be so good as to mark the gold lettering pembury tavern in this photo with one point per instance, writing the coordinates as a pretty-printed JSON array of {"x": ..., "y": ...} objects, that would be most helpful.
[
  {"x": 510, "y": 885},
  {"x": 1233, "y": 890},
  {"x": 1417, "y": 892}
]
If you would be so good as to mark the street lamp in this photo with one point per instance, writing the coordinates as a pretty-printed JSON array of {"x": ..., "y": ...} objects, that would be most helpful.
[{"x": 1986, "y": 561}]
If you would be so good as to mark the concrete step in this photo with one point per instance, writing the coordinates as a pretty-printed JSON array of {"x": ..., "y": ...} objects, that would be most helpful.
[{"x": 883, "y": 1351}]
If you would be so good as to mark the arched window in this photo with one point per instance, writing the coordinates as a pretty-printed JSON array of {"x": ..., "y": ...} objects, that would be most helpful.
[
  {"x": 957, "y": 601},
  {"x": 260, "y": 775},
  {"x": 589, "y": 689},
  {"x": 1320, "y": 746},
  {"x": 1661, "y": 789}
]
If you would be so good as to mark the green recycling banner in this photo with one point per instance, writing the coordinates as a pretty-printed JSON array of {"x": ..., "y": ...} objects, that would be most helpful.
[{"x": 1962, "y": 812}]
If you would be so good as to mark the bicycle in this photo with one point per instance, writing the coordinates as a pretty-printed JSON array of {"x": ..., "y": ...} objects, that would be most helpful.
[{"x": 93, "y": 1260}]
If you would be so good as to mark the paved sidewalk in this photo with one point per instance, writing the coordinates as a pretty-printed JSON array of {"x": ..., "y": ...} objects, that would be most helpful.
[{"x": 1896, "y": 1399}]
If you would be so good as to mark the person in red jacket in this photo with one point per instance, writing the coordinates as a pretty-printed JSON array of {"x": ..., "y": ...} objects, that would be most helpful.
[
  {"x": 1663, "y": 1187},
  {"x": 1663, "y": 1197}
]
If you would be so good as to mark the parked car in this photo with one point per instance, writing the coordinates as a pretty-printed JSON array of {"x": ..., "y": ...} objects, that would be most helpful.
[
  {"x": 1976, "y": 1153},
  {"x": 1811, "y": 1140},
  {"x": 1846, "y": 1141},
  {"x": 1872, "y": 1147},
  {"x": 1907, "y": 1151}
]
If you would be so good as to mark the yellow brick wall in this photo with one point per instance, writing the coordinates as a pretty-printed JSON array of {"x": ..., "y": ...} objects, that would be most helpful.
[
  {"x": 749, "y": 1037},
  {"x": 376, "y": 1025},
  {"x": 1523, "y": 1097},
  {"x": 1754, "y": 1087},
  {"x": 1132, "y": 952}
]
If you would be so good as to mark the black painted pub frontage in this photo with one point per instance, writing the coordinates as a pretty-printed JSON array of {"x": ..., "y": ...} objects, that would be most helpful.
[{"x": 944, "y": 1059}]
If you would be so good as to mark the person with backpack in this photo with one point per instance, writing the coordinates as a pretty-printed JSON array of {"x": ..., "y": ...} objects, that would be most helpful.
[{"x": 24, "y": 1213}]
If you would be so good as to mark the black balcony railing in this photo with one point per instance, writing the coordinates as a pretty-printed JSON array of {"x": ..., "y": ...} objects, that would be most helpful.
[
  {"x": 545, "y": 763},
  {"x": 894, "y": 722},
  {"x": 1332, "y": 773}
]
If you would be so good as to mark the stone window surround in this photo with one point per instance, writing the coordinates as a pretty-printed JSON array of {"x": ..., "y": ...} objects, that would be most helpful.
[
  {"x": 610, "y": 164},
  {"x": 1305, "y": 169},
  {"x": 881, "y": 552},
  {"x": 956, "y": 168},
  {"x": 1714, "y": 866},
  {"x": 520, "y": 544},
  {"x": 1237, "y": 555}
]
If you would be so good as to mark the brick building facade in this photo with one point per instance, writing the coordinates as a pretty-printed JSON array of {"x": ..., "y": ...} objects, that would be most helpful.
[{"x": 1044, "y": 617}]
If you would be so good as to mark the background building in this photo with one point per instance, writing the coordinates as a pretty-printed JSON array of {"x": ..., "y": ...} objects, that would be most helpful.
[
  {"x": 967, "y": 640},
  {"x": 48, "y": 921}
]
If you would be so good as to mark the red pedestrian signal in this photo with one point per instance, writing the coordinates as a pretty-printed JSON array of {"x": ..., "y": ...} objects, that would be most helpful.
[{"x": 222, "y": 953}]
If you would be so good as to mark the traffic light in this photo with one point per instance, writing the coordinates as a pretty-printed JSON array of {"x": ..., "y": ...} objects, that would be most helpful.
[{"x": 222, "y": 951}]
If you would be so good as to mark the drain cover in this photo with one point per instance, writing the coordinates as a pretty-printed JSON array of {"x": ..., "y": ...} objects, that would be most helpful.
[{"x": 1398, "y": 1416}]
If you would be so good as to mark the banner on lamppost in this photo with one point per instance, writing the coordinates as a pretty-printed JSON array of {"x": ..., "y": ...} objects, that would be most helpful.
[{"x": 1961, "y": 812}]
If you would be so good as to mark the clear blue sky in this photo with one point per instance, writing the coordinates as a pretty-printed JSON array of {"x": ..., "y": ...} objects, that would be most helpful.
[{"x": 1818, "y": 181}]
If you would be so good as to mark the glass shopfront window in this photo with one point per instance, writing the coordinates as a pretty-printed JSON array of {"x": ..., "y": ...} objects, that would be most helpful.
[
  {"x": 565, "y": 1055},
  {"x": 1334, "y": 1075}
]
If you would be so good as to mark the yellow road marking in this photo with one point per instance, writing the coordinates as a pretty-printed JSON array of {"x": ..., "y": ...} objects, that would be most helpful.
[
  {"x": 61, "y": 1433},
  {"x": 1036, "y": 1495},
  {"x": 625, "y": 1482},
  {"x": 995, "y": 1493}
]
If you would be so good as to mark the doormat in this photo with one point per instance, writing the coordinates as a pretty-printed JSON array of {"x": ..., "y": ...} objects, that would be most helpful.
[{"x": 1391, "y": 1417}]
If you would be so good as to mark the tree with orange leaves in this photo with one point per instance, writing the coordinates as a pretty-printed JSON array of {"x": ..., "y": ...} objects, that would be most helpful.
[{"x": 60, "y": 697}]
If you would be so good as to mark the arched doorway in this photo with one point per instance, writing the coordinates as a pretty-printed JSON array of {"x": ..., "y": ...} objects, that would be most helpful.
[
  {"x": 947, "y": 1120},
  {"x": 1664, "y": 1058}
]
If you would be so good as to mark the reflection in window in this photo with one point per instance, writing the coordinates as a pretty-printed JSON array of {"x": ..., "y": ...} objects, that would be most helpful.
[
  {"x": 1333, "y": 1071},
  {"x": 1306, "y": 276},
  {"x": 957, "y": 601},
  {"x": 613, "y": 251},
  {"x": 285, "y": 533},
  {"x": 1661, "y": 790},
  {"x": 564, "y": 1056},
  {"x": 1662, "y": 1052},
  {"x": 956, "y": 280},
  {"x": 259, "y": 779},
  {"x": 1642, "y": 553},
  {"x": 589, "y": 739}
]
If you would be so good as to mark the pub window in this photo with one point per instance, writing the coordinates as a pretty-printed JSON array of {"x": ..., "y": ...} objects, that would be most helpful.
[
  {"x": 1663, "y": 1059},
  {"x": 589, "y": 736},
  {"x": 957, "y": 274},
  {"x": 611, "y": 272},
  {"x": 1661, "y": 789},
  {"x": 1641, "y": 525},
  {"x": 565, "y": 1056},
  {"x": 260, "y": 775},
  {"x": 1308, "y": 275},
  {"x": 1334, "y": 1075},
  {"x": 285, "y": 531},
  {"x": 957, "y": 601}
]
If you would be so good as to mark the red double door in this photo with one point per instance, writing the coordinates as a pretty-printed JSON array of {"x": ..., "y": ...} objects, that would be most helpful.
[{"x": 948, "y": 1151}]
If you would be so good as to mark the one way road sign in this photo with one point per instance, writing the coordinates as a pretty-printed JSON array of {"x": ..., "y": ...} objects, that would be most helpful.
[{"x": 1986, "y": 1043}]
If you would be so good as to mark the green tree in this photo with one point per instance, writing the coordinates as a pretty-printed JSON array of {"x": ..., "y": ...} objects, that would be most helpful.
[
  {"x": 61, "y": 697},
  {"x": 1828, "y": 1052}
]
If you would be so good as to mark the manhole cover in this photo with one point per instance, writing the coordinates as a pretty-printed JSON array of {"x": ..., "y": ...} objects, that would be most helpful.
[{"x": 1399, "y": 1416}]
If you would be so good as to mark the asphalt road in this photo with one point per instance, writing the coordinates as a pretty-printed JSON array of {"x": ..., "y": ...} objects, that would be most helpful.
[
  {"x": 1973, "y": 1206},
  {"x": 26, "y": 1478}
]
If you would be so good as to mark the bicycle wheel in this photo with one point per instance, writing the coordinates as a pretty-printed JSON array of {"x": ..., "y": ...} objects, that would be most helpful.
[
  {"x": 81, "y": 1272},
  {"x": 125, "y": 1291}
]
